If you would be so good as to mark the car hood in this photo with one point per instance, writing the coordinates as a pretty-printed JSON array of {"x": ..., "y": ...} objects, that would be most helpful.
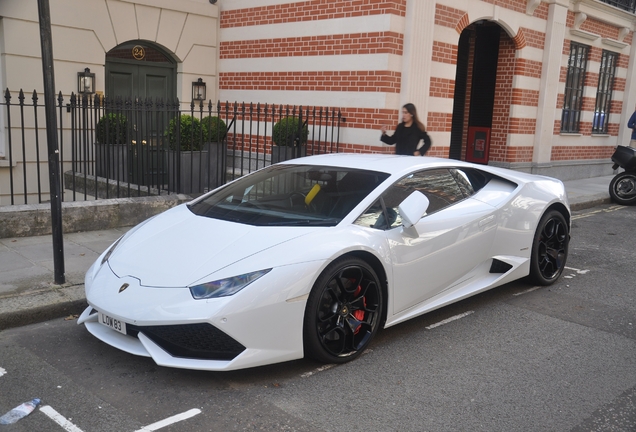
[{"x": 179, "y": 248}]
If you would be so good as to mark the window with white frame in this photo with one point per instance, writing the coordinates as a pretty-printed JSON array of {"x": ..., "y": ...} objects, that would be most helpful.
[
  {"x": 574, "y": 85},
  {"x": 604, "y": 92}
]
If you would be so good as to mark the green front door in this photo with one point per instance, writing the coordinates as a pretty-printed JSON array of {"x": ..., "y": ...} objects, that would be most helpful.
[{"x": 144, "y": 81}]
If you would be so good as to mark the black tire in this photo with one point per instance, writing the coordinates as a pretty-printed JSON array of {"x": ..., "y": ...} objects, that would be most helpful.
[
  {"x": 549, "y": 248},
  {"x": 622, "y": 188},
  {"x": 343, "y": 311}
]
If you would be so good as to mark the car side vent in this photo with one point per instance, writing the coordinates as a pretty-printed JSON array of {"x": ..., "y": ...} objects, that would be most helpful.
[{"x": 499, "y": 266}]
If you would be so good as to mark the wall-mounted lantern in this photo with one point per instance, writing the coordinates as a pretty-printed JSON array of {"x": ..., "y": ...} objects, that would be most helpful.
[
  {"x": 198, "y": 90},
  {"x": 86, "y": 82}
]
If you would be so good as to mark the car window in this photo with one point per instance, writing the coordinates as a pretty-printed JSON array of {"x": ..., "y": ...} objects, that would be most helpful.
[
  {"x": 439, "y": 185},
  {"x": 290, "y": 195},
  {"x": 471, "y": 180},
  {"x": 463, "y": 181},
  {"x": 379, "y": 217}
]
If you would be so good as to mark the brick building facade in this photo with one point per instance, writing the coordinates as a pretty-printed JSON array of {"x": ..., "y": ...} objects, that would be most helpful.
[{"x": 369, "y": 57}]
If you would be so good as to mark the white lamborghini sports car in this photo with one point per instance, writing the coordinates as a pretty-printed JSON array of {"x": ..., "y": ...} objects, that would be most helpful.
[{"x": 310, "y": 257}]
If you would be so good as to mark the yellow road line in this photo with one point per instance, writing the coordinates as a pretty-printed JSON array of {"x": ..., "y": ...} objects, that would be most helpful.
[{"x": 595, "y": 212}]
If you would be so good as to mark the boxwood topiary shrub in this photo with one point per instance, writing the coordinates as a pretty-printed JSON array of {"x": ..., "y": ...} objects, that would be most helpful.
[
  {"x": 214, "y": 127},
  {"x": 111, "y": 129},
  {"x": 191, "y": 135},
  {"x": 288, "y": 130}
]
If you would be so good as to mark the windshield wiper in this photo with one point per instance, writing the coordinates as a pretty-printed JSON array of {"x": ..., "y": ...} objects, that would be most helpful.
[{"x": 306, "y": 222}]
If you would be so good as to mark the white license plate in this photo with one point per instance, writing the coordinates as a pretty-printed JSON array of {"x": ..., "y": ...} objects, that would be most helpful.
[{"x": 113, "y": 323}]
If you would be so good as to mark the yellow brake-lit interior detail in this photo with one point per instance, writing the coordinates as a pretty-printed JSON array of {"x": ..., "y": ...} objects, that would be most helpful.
[{"x": 312, "y": 194}]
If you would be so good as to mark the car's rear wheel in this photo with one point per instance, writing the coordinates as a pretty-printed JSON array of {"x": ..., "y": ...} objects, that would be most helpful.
[
  {"x": 549, "y": 248},
  {"x": 343, "y": 311}
]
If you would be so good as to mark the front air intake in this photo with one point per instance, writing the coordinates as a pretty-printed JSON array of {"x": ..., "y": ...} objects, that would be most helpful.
[{"x": 195, "y": 341}]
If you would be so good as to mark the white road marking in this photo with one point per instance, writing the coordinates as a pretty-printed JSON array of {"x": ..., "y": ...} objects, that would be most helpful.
[
  {"x": 170, "y": 420},
  {"x": 577, "y": 270},
  {"x": 70, "y": 427},
  {"x": 2, "y": 372},
  {"x": 527, "y": 291},
  {"x": 447, "y": 320},
  {"x": 320, "y": 369},
  {"x": 328, "y": 366},
  {"x": 59, "y": 419}
]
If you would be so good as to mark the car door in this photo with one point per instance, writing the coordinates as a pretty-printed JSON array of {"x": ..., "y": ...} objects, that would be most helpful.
[{"x": 453, "y": 237}]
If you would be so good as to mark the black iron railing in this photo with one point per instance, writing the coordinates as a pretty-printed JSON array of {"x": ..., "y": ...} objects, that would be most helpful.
[{"x": 120, "y": 147}]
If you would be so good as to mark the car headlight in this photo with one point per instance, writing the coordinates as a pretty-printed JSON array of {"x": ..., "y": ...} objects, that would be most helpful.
[{"x": 225, "y": 287}]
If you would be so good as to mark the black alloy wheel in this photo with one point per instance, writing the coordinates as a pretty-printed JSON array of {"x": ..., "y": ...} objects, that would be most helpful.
[
  {"x": 343, "y": 311},
  {"x": 549, "y": 248},
  {"x": 622, "y": 188}
]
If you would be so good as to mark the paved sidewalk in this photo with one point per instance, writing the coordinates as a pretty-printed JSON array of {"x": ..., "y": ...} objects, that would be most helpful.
[{"x": 28, "y": 293}]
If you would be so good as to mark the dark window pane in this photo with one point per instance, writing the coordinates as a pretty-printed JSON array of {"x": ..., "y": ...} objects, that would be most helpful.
[
  {"x": 628, "y": 5},
  {"x": 575, "y": 81},
  {"x": 604, "y": 92}
]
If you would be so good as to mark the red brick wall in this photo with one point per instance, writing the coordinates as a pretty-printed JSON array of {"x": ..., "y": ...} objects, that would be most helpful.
[
  {"x": 312, "y": 10},
  {"x": 534, "y": 39},
  {"x": 349, "y": 81},
  {"x": 384, "y": 81},
  {"x": 343, "y": 44},
  {"x": 501, "y": 122},
  {"x": 447, "y": 16},
  {"x": 560, "y": 153},
  {"x": 515, "y": 5},
  {"x": 444, "y": 52}
]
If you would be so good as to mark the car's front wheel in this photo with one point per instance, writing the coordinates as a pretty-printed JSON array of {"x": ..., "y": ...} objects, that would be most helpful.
[
  {"x": 549, "y": 248},
  {"x": 343, "y": 311}
]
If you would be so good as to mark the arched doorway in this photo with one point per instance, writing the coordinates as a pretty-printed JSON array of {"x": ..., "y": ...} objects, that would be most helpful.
[
  {"x": 483, "y": 86},
  {"x": 140, "y": 69},
  {"x": 143, "y": 76}
]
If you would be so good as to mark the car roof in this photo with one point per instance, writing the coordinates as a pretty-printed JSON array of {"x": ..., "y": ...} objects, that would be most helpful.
[
  {"x": 400, "y": 165},
  {"x": 392, "y": 164}
]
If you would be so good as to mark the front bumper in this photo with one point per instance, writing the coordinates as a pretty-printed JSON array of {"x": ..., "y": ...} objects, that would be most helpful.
[{"x": 260, "y": 325}]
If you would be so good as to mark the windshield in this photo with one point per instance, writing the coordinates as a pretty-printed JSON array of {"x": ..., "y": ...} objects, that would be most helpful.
[{"x": 290, "y": 195}]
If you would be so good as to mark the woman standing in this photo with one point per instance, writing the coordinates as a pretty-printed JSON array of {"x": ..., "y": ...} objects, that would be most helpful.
[{"x": 408, "y": 134}]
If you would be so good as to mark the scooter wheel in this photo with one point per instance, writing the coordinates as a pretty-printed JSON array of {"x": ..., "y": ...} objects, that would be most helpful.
[{"x": 622, "y": 188}]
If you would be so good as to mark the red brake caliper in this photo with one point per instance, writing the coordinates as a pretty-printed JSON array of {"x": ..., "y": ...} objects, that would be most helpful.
[{"x": 359, "y": 314}]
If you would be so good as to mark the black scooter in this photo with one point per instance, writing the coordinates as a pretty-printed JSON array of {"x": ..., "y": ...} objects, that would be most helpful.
[{"x": 622, "y": 188}]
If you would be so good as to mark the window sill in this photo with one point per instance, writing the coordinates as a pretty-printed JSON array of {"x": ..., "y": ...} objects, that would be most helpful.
[
  {"x": 4, "y": 163},
  {"x": 573, "y": 134},
  {"x": 600, "y": 135}
]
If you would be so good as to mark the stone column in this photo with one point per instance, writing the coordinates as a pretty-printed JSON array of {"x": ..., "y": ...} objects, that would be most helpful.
[
  {"x": 550, "y": 85},
  {"x": 416, "y": 58}
]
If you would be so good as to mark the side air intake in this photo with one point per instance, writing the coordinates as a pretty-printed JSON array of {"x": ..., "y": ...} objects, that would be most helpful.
[{"x": 498, "y": 266}]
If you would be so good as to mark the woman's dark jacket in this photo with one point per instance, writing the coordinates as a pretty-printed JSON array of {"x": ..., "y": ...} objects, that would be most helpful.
[{"x": 406, "y": 140}]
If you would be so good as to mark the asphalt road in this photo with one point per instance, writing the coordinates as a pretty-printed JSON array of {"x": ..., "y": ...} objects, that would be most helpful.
[{"x": 518, "y": 358}]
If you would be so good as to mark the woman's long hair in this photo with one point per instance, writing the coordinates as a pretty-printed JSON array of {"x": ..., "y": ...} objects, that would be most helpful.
[{"x": 413, "y": 111}]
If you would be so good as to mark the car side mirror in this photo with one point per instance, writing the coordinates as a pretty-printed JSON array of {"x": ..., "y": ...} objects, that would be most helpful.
[{"x": 413, "y": 208}]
